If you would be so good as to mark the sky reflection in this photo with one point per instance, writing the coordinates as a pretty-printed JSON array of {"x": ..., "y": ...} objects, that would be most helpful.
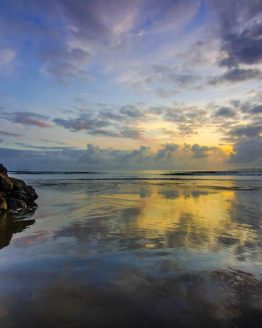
[{"x": 124, "y": 254}]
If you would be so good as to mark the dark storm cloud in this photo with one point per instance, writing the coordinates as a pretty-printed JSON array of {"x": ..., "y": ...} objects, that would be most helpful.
[
  {"x": 237, "y": 75},
  {"x": 251, "y": 109},
  {"x": 241, "y": 30},
  {"x": 225, "y": 112},
  {"x": 243, "y": 48},
  {"x": 248, "y": 152},
  {"x": 248, "y": 131},
  {"x": 27, "y": 118},
  {"x": 256, "y": 110}
]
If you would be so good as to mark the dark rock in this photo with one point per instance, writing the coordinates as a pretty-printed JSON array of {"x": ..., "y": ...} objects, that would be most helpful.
[
  {"x": 31, "y": 191},
  {"x": 15, "y": 204},
  {"x": 20, "y": 194},
  {"x": 15, "y": 194},
  {"x": 3, "y": 204},
  {"x": 22, "y": 191},
  {"x": 18, "y": 184},
  {"x": 5, "y": 183},
  {"x": 3, "y": 170}
]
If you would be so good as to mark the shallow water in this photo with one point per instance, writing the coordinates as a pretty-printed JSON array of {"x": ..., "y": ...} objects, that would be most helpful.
[{"x": 124, "y": 253}]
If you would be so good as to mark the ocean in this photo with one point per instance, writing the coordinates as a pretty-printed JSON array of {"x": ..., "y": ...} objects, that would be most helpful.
[
  {"x": 135, "y": 249},
  {"x": 244, "y": 174}
]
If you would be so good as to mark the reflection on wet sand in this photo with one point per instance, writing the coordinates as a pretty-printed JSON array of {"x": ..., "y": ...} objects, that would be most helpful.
[
  {"x": 165, "y": 217},
  {"x": 11, "y": 224},
  {"x": 219, "y": 299},
  {"x": 137, "y": 255}
]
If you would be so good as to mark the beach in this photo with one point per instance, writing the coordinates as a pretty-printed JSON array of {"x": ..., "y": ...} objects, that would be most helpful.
[{"x": 139, "y": 249}]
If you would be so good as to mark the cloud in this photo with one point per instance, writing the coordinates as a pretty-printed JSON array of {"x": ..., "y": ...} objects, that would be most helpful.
[
  {"x": 9, "y": 134},
  {"x": 83, "y": 122},
  {"x": 225, "y": 112},
  {"x": 240, "y": 31},
  {"x": 163, "y": 79},
  {"x": 237, "y": 75},
  {"x": 256, "y": 110},
  {"x": 249, "y": 131},
  {"x": 248, "y": 152},
  {"x": 139, "y": 122},
  {"x": 66, "y": 63},
  {"x": 200, "y": 151},
  {"x": 126, "y": 121},
  {"x": 134, "y": 121},
  {"x": 186, "y": 118},
  {"x": 7, "y": 56},
  {"x": 27, "y": 118},
  {"x": 169, "y": 156},
  {"x": 116, "y": 125},
  {"x": 167, "y": 152},
  {"x": 49, "y": 148},
  {"x": 64, "y": 36},
  {"x": 130, "y": 111}
]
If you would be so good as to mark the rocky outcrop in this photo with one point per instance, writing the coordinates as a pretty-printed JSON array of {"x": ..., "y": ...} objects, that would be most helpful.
[{"x": 15, "y": 194}]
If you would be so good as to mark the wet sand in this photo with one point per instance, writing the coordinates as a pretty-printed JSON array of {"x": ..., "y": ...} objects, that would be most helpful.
[{"x": 134, "y": 254}]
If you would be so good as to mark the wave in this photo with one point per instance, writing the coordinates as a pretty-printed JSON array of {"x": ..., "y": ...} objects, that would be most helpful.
[
  {"x": 53, "y": 172},
  {"x": 135, "y": 175},
  {"x": 217, "y": 173},
  {"x": 199, "y": 183}
]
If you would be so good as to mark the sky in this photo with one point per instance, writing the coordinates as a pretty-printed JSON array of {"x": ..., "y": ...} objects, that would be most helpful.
[{"x": 136, "y": 84}]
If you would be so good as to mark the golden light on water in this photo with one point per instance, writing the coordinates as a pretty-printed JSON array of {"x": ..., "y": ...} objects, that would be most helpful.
[{"x": 195, "y": 218}]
